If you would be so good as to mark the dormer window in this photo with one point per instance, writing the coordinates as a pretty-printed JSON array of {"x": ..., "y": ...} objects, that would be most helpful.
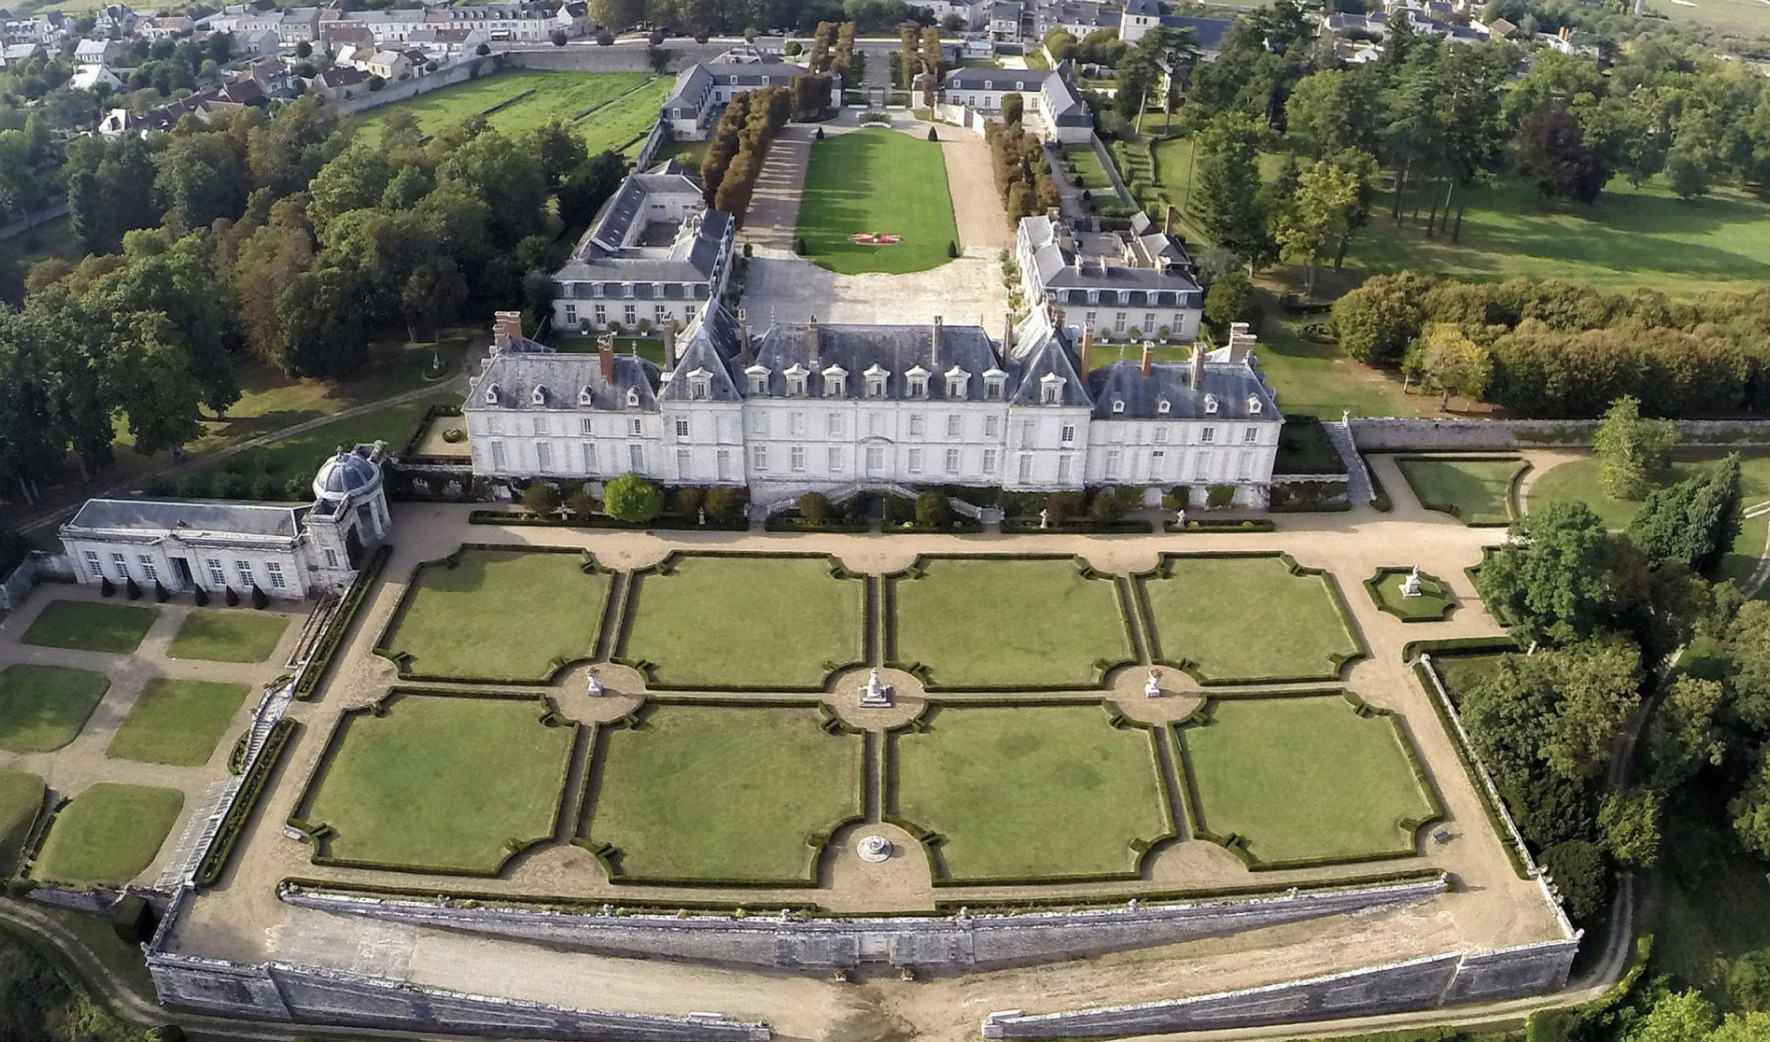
[
  {"x": 1051, "y": 389},
  {"x": 632, "y": 398},
  {"x": 1254, "y": 404},
  {"x": 492, "y": 395},
  {"x": 876, "y": 381},
  {"x": 584, "y": 396},
  {"x": 700, "y": 385},
  {"x": 796, "y": 379},
  {"x": 1118, "y": 405},
  {"x": 538, "y": 396},
  {"x": 1210, "y": 403},
  {"x": 835, "y": 382},
  {"x": 758, "y": 375},
  {"x": 957, "y": 382},
  {"x": 993, "y": 383},
  {"x": 1164, "y": 407},
  {"x": 918, "y": 382}
]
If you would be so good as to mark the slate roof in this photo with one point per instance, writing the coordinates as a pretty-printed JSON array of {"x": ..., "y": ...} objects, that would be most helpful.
[
  {"x": 1208, "y": 33},
  {"x": 897, "y": 349},
  {"x": 691, "y": 258},
  {"x": 693, "y": 82},
  {"x": 193, "y": 517},
  {"x": 1235, "y": 386},
  {"x": 1040, "y": 350},
  {"x": 1158, "y": 273},
  {"x": 712, "y": 344},
  {"x": 512, "y": 376}
]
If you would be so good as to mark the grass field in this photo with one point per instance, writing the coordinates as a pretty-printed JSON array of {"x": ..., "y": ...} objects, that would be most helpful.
[
  {"x": 21, "y": 797},
  {"x": 444, "y": 784},
  {"x": 86, "y": 626},
  {"x": 1303, "y": 448},
  {"x": 1578, "y": 480},
  {"x": 1474, "y": 491},
  {"x": 216, "y": 635},
  {"x": 953, "y": 621},
  {"x": 530, "y": 98},
  {"x": 499, "y": 615},
  {"x": 43, "y": 708},
  {"x": 877, "y": 180},
  {"x": 177, "y": 722},
  {"x": 1030, "y": 793},
  {"x": 1461, "y": 673},
  {"x": 1432, "y": 603},
  {"x": 109, "y": 834},
  {"x": 1089, "y": 168},
  {"x": 1204, "y": 611},
  {"x": 1304, "y": 778},
  {"x": 704, "y": 623},
  {"x": 723, "y": 792},
  {"x": 1743, "y": 18}
]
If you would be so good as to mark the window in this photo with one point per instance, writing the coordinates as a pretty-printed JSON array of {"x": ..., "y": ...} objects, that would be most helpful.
[
  {"x": 875, "y": 459},
  {"x": 1163, "y": 407},
  {"x": 918, "y": 385},
  {"x": 833, "y": 425},
  {"x": 1118, "y": 322},
  {"x": 1028, "y": 428},
  {"x": 915, "y": 461},
  {"x": 1091, "y": 320},
  {"x": 1158, "y": 463},
  {"x": 918, "y": 425},
  {"x": 244, "y": 568},
  {"x": 499, "y": 462},
  {"x": 217, "y": 575},
  {"x": 601, "y": 313},
  {"x": 954, "y": 425},
  {"x": 797, "y": 460},
  {"x": 1210, "y": 403},
  {"x": 1112, "y": 463},
  {"x": 1208, "y": 435},
  {"x": 1118, "y": 405},
  {"x": 699, "y": 388},
  {"x": 93, "y": 566},
  {"x": 835, "y": 383},
  {"x": 589, "y": 459},
  {"x": 759, "y": 424},
  {"x": 1050, "y": 393},
  {"x": 543, "y": 456},
  {"x": 586, "y": 427},
  {"x": 796, "y": 383},
  {"x": 1063, "y": 465},
  {"x": 687, "y": 314},
  {"x": 989, "y": 461},
  {"x": 759, "y": 458},
  {"x": 992, "y": 388},
  {"x": 1250, "y": 435},
  {"x": 636, "y": 458},
  {"x": 1069, "y": 434},
  {"x": 722, "y": 460},
  {"x": 758, "y": 383},
  {"x": 274, "y": 570},
  {"x": 955, "y": 385},
  {"x": 682, "y": 428},
  {"x": 834, "y": 463},
  {"x": 331, "y": 558},
  {"x": 992, "y": 425},
  {"x": 952, "y": 461},
  {"x": 539, "y": 423},
  {"x": 1025, "y": 467},
  {"x": 659, "y": 313},
  {"x": 683, "y": 465},
  {"x": 636, "y": 427},
  {"x": 1253, "y": 404},
  {"x": 629, "y": 315},
  {"x": 571, "y": 315},
  {"x": 1149, "y": 323},
  {"x": 875, "y": 387},
  {"x": 796, "y": 424}
]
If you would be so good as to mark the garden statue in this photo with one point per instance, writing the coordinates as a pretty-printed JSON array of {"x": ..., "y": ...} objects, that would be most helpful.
[
  {"x": 1044, "y": 519},
  {"x": 1152, "y": 687},
  {"x": 876, "y": 694},
  {"x": 1410, "y": 586},
  {"x": 1180, "y": 519},
  {"x": 874, "y": 849},
  {"x": 703, "y": 515},
  {"x": 595, "y": 686}
]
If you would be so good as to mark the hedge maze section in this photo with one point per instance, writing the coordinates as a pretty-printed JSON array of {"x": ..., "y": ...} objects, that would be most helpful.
[
  {"x": 1247, "y": 619},
  {"x": 721, "y": 794},
  {"x": 43, "y": 708},
  {"x": 1299, "y": 781},
  {"x": 454, "y": 784},
  {"x": 744, "y": 622},
  {"x": 1006, "y": 623},
  {"x": 107, "y": 835},
  {"x": 487, "y": 614},
  {"x": 1029, "y": 793}
]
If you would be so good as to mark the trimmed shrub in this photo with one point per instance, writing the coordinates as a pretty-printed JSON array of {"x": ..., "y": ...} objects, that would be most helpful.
[
  {"x": 814, "y": 507},
  {"x": 581, "y": 503},
  {"x": 1061, "y": 506},
  {"x": 1106, "y": 506},
  {"x": 260, "y": 599},
  {"x": 933, "y": 510},
  {"x": 131, "y": 589},
  {"x": 201, "y": 595},
  {"x": 799, "y": 240},
  {"x": 932, "y": 136},
  {"x": 106, "y": 588},
  {"x": 632, "y": 498},
  {"x": 1219, "y": 496},
  {"x": 232, "y": 598},
  {"x": 541, "y": 497},
  {"x": 687, "y": 500},
  {"x": 952, "y": 248},
  {"x": 727, "y": 504}
]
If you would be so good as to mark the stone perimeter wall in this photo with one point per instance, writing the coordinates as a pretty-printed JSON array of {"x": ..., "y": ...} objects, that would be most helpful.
[
  {"x": 927, "y": 943},
  {"x": 1395, "y": 434},
  {"x": 1439, "y": 980}
]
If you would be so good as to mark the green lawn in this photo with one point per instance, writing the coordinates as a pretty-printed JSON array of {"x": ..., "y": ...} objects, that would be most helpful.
[
  {"x": 43, "y": 708},
  {"x": 499, "y": 615},
  {"x": 442, "y": 783},
  {"x": 650, "y": 348},
  {"x": 177, "y": 722},
  {"x": 90, "y": 626},
  {"x": 529, "y": 98},
  {"x": 1304, "y": 778},
  {"x": 703, "y": 623},
  {"x": 1578, "y": 480},
  {"x": 1204, "y": 611},
  {"x": 688, "y": 153},
  {"x": 1460, "y": 673},
  {"x": 1431, "y": 604},
  {"x": 1088, "y": 166},
  {"x": 222, "y": 635},
  {"x": 1303, "y": 448},
  {"x": 21, "y": 797},
  {"x": 877, "y": 180},
  {"x": 1745, "y": 18},
  {"x": 1030, "y": 793},
  {"x": 1476, "y": 491},
  {"x": 108, "y": 835},
  {"x": 700, "y": 792},
  {"x": 294, "y": 458},
  {"x": 953, "y": 620}
]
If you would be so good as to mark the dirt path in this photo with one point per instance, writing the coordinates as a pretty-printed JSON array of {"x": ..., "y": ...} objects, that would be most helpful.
[
  {"x": 983, "y": 223},
  {"x": 773, "y": 217}
]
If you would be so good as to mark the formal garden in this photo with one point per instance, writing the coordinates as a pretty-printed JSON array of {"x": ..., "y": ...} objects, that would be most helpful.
[
  {"x": 43, "y": 708},
  {"x": 1303, "y": 780},
  {"x": 608, "y": 109},
  {"x": 1410, "y": 595},
  {"x": 448, "y": 783},
  {"x": 745, "y": 794},
  {"x": 1007, "y": 622},
  {"x": 177, "y": 722},
  {"x": 774, "y": 622},
  {"x": 1028, "y": 793},
  {"x": 1201, "y": 609},
  {"x": 216, "y": 635},
  {"x": 107, "y": 835},
  {"x": 1476, "y": 490},
  {"x": 876, "y": 181},
  {"x": 498, "y": 615},
  {"x": 91, "y": 626}
]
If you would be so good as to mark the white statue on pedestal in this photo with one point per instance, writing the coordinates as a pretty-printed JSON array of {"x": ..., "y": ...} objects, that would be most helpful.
[
  {"x": 876, "y": 694},
  {"x": 1152, "y": 688},
  {"x": 1044, "y": 519},
  {"x": 1410, "y": 586},
  {"x": 595, "y": 686}
]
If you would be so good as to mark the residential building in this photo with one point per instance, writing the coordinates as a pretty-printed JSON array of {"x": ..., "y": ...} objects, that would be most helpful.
[
  {"x": 1004, "y": 21},
  {"x": 501, "y": 22},
  {"x": 655, "y": 252},
  {"x": 1118, "y": 285},
  {"x": 1140, "y": 16},
  {"x": 973, "y": 12},
  {"x": 338, "y": 82},
  {"x": 390, "y": 65},
  {"x": 98, "y": 52},
  {"x": 89, "y": 77},
  {"x": 1078, "y": 17},
  {"x": 1054, "y": 107},
  {"x": 701, "y": 91}
]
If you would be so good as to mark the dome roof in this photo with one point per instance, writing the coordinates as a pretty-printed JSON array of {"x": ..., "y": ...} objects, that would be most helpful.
[{"x": 345, "y": 475}]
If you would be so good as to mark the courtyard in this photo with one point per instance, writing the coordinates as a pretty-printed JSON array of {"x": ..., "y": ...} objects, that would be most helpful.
[{"x": 874, "y": 180}]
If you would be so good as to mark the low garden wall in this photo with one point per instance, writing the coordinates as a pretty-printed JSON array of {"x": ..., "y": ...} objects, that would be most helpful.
[
  {"x": 951, "y": 943},
  {"x": 460, "y": 71},
  {"x": 1395, "y": 434}
]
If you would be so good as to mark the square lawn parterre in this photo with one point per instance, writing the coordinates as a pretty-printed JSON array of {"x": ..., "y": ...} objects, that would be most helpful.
[
  {"x": 109, "y": 834},
  {"x": 88, "y": 626},
  {"x": 876, "y": 180},
  {"x": 224, "y": 635},
  {"x": 177, "y": 722},
  {"x": 1026, "y": 793},
  {"x": 704, "y": 792},
  {"x": 1248, "y": 618},
  {"x": 499, "y": 615},
  {"x": 959, "y": 619},
  {"x": 1475, "y": 491},
  {"x": 43, "y": 708},
  {"x": 21, "y": 797},
  {"x": 440, "y": 783},
  {"x": 749, "y": 621},
  {"x": 1304, "y": 778}
]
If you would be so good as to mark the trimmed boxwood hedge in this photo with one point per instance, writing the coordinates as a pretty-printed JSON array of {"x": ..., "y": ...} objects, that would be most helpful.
[
  {"x": 1077, "y": 526},
  {"x": 1220, "y": 524},
  {"x": 671, "y": 522},
  {"x": 1374, "y": 586},
  {"x": 245, "y": 801},
  {"x": 1472, "y": 767},
  {"x": 319, "y": 662}
]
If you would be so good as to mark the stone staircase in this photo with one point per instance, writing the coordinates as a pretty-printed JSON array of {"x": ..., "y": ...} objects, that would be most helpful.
[{"x": 1358, "y": 477}]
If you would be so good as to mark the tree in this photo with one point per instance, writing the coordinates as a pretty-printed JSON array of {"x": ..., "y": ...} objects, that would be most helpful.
[
  {"x": 1685, "y": 732},
  {"x": 726, "y": 504},
  {"x": 933, "y": 510},
  {"x": 1750, "y": 809},
  {"x": 1629, "y": 821},
  {"x": 1377, "y": 321},
  {"x": 1231, "y": 299},
  {"x": 814, "y": 507},
  {"x": 541, "y": 498},
  {"x": 1454, "y": 364},
  {"x": 1227, "y": 200},
  {"x": 1557, "y": 711},
  {"x": 159, "y": 396},
  {"x": 632, "y": 498},
  {"x": 581, "y": 503},
  {"x": 1061, "y": 44},
  {"x": 1334, "y": 110},
  {"x": 1317, "y": 218},
  {"x": 1550, "y": 152},
  {"x": 1680, "y": 1016},
  {"x": 1552, "y": 578},
  {"x": 1581, "y": 878},
  {"x": 1013, "y": 109},
  {"x": 1748, "y": 981},
  {"x": 1632, "y": 452},
  {"x": 1691, "y": 524},
  {"x": 1743, "y": 1027},
  {"x": 201, "y": 178}
]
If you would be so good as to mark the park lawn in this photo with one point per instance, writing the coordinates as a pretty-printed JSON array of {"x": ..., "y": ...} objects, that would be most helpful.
[
  {"x": 43, "y": 708},
  {"x": 1745, "y": 18},
  {"x": 1578, "y": 480},
  {"x": 1088, "y": 168},
  {"x": 108, "y": 835},
  {"x": 498, "y": 615},
  {"x": 177, "y": 722},
  {"x": 741, "y": 793},
  {"x": 1304, "y": 777},
  {"x": 952, "y": 621},
  {"x": 1023, "y": 794},
  {"x": 529, "y": 97},
  {"x": 89, "y": 626},
  {"x": 1478, "y": 492},
  {"x": 650, "y": 348},
  {"x": 876, "y": 180},
  {"x": 1432, "y": 604},
  {"x": 755, "y": 622},
  {"x": 688, "y": 153},
  {"x": 295, "y": 457},
  {"x": 221, "y": 635},
  {"x": 21, "y": 798},
  {"x": 1205, "y": 610},
  {"x": 623, "y": 124},
  {"x": 443, "y": 783}
]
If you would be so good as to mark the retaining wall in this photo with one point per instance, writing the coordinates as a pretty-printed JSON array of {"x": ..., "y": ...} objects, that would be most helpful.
[
  {"x": 460, "y": 71},
  {"x": 1425, "y": 983},
  {"x": 622, "y": 56},
  {"x": 927, "y": 943},
  {"x": 1395, "y": 434},
  {"x": 39, "y": 566}
]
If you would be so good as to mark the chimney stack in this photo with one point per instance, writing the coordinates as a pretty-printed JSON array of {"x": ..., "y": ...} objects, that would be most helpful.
[
  {"x": 1241, "y": 342},
  {"x": 670, "y": 342},
  {"x": 1087, "y": 350},
  {"x": 934, "y": 351},
  {"x": 605, "y": 350},
  {"x": 1168, "y": 220},
  {"x": 1148, "y": 357},
  {"x": 743, "y": 318},
  {"x": 1007, "y": 334},
  {"x": 1198, "y": 365},
  {"x": 506, "y": 329},
  {"x": 811, "y": 338}
]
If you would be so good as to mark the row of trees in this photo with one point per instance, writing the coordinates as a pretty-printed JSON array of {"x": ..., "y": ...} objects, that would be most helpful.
[
  {"x": 735, "y": 153},
  {"x": 1018, "y": 160},
  {"x": 921, "y": 54},
  {"x": 832, "y": 49},
  {"x": 1553, "y": 348}
]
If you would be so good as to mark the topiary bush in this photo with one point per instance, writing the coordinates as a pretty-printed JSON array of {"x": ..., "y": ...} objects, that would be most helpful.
[
  {"x": 1106, "y": 506},
  {"x": 260, "y": 599},
  {"x": 232, "y": 598},
  {"x": 934, "y": 510},
  {"x": 541, "y": 497},
  {"x": 1061, "y": 506},
  {"x": 952, "y": 248},
  {"x": 632, "y": 498},
  {"x": 1219, "y": 496},
  {"x": 687, "y": 500},
  {"x": 454, "y": 435},
  {"x": 727, "y": 504},
  {"x": 814, "y": 507}
]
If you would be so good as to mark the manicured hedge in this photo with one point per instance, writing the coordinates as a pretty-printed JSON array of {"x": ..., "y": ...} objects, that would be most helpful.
[
  {"x": 795, "y": 523},
  {"x": 319, "y": 661},
  {"x": 670, "y": 522},
  {"x": 245, "y": 801},
  {"x": 1221, "y": 524},
  {"x": 1471, "y": 767},
  {"x": 1076, "y": 526}
]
